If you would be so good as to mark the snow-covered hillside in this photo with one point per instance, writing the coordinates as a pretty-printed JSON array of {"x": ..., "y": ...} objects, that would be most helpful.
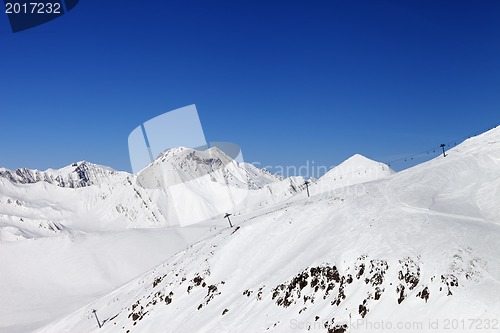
[
  {"x": 355, "y": 170},
  {"x": 417, "y": 251},
  {"x": 68, "y": 236}
]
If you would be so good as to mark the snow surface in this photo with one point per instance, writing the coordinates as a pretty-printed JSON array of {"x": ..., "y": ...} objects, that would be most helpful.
[
  {"x": 68, "y": 236},
  {"x": 192, "y": 186},
  {"x": 418, "y": 247},
  {"x": 355, "y": 170},
  {"x": 48, "y": 277}
]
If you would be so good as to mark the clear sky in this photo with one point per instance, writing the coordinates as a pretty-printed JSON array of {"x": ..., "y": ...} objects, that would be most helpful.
[{"x": 289, "y": 81}]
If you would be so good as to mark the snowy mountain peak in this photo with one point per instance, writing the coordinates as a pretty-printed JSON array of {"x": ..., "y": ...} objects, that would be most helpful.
[
  {"x": 182, "y": 165},
  {"x": 357, "y": 169},
  {"x": 189, "y": 159},
  {"x": 78, "y": 174},
  {"x": 211, "y": 181},
  {"x": 359, "y": 162},
  {"x": 358, "y": 157}
]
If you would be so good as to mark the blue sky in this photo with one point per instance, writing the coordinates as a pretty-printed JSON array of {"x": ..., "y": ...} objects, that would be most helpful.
[{"x": 289, "y": 81}]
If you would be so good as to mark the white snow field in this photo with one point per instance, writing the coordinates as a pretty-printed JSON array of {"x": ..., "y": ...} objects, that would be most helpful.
[
  {"x": 355, "y": 170},
  {"x": 415, "y": 251},
  {"x": 71, "y": 235}
]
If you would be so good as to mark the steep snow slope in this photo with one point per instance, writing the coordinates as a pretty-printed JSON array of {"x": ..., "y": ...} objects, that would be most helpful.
[
  {"x": 355, "y": 170},
  {"x": 417, "y": 251},
  {"x": 44, "y": 278}
]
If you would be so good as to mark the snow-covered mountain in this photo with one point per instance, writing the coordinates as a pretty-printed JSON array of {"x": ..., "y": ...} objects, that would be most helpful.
[
  {"x": 181, "y": 165},
  {"x": 190, "y": 186},
  {"x": 414, "y": 251},
  {"x": 357, "y": 169},
  {"x": 68, "y": 236},
  {"x": 89, "y": 197},
  {"x": 79, "y": 174}
]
